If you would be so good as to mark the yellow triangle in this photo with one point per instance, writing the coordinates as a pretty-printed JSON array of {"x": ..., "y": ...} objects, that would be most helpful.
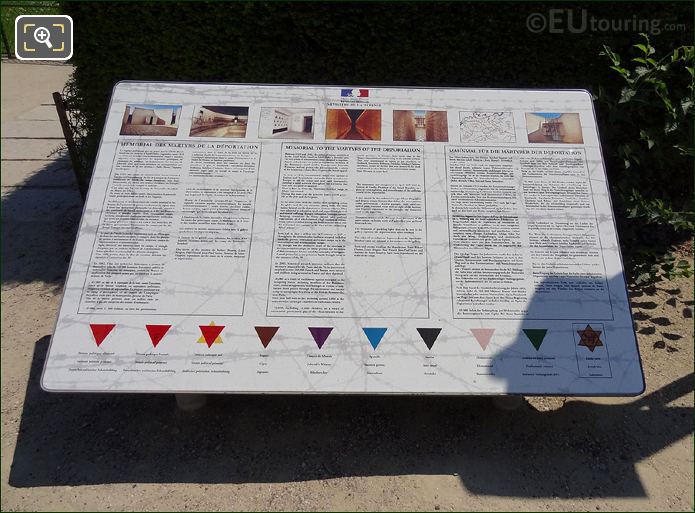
[{"x": 218, "y": 340}]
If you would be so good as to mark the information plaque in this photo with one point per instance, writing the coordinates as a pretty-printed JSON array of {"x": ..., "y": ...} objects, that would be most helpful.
[{"x": 321, "y": 239}]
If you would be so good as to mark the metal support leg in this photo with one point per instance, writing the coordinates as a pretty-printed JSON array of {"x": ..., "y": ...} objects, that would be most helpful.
[
  {"x": 191, "y": 402},
  {"x": 507, "y": 402},
  {"x": 82, "y": 183}
]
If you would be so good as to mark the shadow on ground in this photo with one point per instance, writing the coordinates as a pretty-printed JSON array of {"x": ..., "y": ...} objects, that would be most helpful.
[
  {"x": 581, "y": 450},
  {"x": 649, "y": 322},
  {"x": 39, "y": 223}
]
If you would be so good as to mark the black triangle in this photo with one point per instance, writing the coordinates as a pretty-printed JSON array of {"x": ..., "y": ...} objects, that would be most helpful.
[{"x": 429, "y": 335}]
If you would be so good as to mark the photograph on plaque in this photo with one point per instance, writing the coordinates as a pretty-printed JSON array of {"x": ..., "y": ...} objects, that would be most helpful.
[
  {"x": 487, "y": 127},
  {"x": 150, "y": 119},
  {"x": 286, "y": 123},
  {"x": 554, "y": 127},
  {"x": 219, "y": 121},
  {"x": 420, "y": 125},
  {"x": 353, "y": 124}
]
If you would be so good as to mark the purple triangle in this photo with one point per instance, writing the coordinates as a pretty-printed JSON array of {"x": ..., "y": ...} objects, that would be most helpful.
[{"x": 320, "y": 335}]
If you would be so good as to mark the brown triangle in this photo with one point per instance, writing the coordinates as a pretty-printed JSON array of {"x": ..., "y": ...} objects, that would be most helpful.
[{"x": 266, "y": 333}]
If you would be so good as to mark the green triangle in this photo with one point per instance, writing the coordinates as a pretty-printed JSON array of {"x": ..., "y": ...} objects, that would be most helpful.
[{"x": 536, "y": 337}]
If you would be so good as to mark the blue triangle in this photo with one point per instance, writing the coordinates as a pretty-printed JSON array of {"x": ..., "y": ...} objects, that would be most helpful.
[{"x": 374, "y": 335}]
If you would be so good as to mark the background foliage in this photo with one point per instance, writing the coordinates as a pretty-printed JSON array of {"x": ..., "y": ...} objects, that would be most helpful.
[
  {"x": 472, "y": 44},
  {"x": 10, "y": 10},
  {"x": 650, "y": 143}
]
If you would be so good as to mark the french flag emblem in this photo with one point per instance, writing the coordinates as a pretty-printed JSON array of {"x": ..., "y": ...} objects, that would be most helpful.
[{"x": 354, "y": 93}]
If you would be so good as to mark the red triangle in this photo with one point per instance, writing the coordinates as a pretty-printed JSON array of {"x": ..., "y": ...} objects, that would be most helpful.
[
  {"x": 157, "y": 332},
  {"x": 210, "y": 333},
  {"x": 266, "y": 333},
  {"x": 101, "y": 331}
]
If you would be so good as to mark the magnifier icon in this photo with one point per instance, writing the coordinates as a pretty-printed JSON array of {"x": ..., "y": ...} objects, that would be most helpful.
[{"x": 43, "y": 36}]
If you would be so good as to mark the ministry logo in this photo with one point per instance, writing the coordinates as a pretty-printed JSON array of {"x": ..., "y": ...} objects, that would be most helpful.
[{"x": 354, "y": 93}]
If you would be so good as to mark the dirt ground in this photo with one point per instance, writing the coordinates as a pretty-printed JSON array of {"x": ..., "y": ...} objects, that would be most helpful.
[{"x": 138, "y": 452}]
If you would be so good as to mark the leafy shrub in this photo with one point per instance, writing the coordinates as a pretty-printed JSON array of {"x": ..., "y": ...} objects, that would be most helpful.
[
  {"x": 8, "y": 13},
  {"x": 650, "y": 151}
]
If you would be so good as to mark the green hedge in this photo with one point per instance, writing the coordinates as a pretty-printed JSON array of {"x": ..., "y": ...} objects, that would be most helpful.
[
  {"x": 10, "y": 10},
  {"x": 476, "y": 44}
]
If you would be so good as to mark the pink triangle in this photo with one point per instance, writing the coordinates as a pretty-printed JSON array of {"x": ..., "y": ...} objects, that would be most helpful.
[{"x": 483, "y": 336}]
